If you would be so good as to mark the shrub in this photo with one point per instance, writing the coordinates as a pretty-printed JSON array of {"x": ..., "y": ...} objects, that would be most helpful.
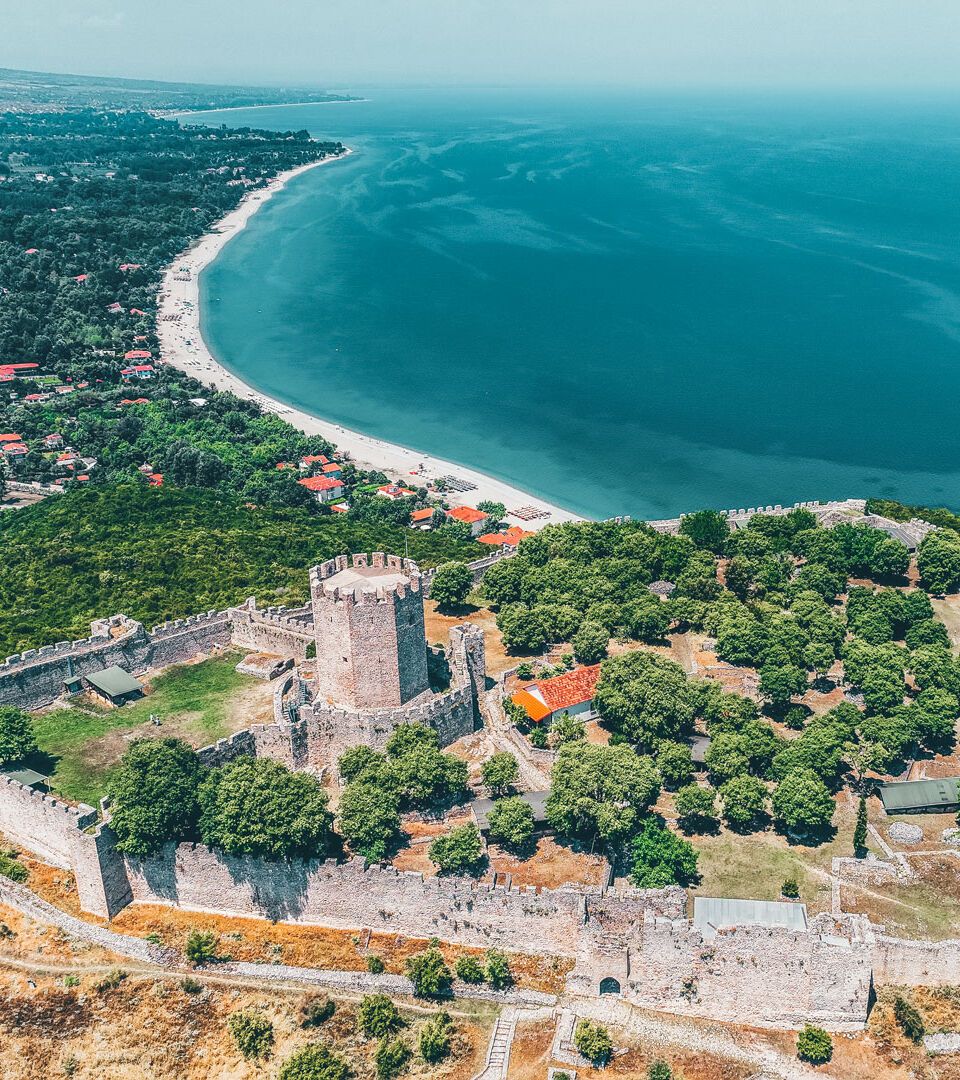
[
  {"x": 71, "y": 981},
  {"x": 378, "y": 1016},
  {"x": 375, "y": 965},
  {"x": 70, "y": 1064},
  {"x": 470, "y": 970},
  {"x": 12, "y": 869},
  {"x": 110, "y": 981},
  {"x": 659, "y": 1070},
  {"x": 191, "y": 986},
  {"x": 314, "y": 1062},
  {"x": 538, "y": 737},
  {"x": 790, "y": 889},
  {"x": 593, "y": 1041},
  {"x": 500, "y": 772},
  {"x": 201, "y": 947},
  {"x": 909, "y": 1019},
  {"x": 316, "y": 1010},
  {"x": 391, "y": 1058},
  {"x": 16, "y": 735},
  {"x": 499, "y": 975},
  {"x": 429, "y": 973},
  {"x": 459, "y": 852},
  {"x": 435, "y": 1037},
  {"x": 814, "y": 1045},
  {"x": 253, "y": 1034},
  {"x": 511, "y": 822}
]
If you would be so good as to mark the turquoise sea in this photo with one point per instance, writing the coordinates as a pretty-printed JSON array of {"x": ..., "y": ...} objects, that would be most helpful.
[{"x": 626, "y": 304}]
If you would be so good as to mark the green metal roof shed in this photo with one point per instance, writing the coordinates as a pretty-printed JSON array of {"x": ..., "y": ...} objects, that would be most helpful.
[
  {"x": 114, "y": 683},
  {"x": 28, "y": 777},
  {"x": 916, "y": 796},
  {"x": 711, "y": 914}
]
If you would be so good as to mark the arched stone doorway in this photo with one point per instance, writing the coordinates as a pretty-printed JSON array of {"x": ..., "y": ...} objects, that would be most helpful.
[{"x": 609, "y": 986}]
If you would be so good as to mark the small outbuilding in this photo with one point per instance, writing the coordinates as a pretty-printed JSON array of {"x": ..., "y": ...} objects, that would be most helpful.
[
  {"x": 921, "y": 796},
  {"x": 113, "y": 685},
  {"x": 536, "y": 800},
  {"x": 712, "y": 914},
  {"x": 28, "y": 777}
]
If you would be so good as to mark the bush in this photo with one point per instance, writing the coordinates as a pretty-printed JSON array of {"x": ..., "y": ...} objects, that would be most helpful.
[
  {"x": 375, "y": 965},
  {"x": 201, "y": 947},
  {"x": 429, "y": 973},
  {"x": 391, "y": 1058},
  {"x": 593, "y": 1041},
  {"x": 191, "y": 986},
  {"x": 499, "y": 975},
  {"x": 16, "y": 735},
  {"x": 435, "y": 1037},
  {"x": 378, "y": 1016},
  {"x": 459, "y": 852},
  {"x": 909, "y": 1019},
  {"x": 659, "y": 1070},
  {"x": 790, "y": 889},
  {"x": 253, "y": 1034},
  {"x": 470, "y": 970},
  {"x": 511, "y": 822},
  {"x": 12, "y": 869},
  {"x": 814, "y": 1045},
  {"x": 110, "y": 981},
  {"x": 314, "y": 1062},
  {"x": 500, "y": 772},
  {"x": 316, "y": 1010},
  {"x": 538, "y": 737}
]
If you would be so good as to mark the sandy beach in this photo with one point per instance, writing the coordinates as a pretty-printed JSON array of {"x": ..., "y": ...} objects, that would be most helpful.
[{"x": 182, "y": 345}]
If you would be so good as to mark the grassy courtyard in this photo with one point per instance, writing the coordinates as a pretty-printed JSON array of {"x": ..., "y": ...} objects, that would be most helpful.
[{"x": 197, "y": 702}]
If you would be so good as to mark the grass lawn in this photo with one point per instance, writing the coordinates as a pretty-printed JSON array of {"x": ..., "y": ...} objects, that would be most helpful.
[{"x": 196, "y": 702}]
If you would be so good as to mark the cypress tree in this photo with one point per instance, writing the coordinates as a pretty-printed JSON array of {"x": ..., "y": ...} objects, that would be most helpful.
[{"x": 860, "y": 830}]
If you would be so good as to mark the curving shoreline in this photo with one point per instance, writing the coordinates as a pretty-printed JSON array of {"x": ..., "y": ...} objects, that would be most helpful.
[{"x": 182, "y": 345}]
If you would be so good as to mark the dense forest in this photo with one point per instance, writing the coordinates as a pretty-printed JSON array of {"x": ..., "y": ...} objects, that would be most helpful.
[{"x": 160, "y": 553}]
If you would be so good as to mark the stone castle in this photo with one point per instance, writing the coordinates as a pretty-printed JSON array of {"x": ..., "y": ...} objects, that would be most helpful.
[{"x": 373, "y": 670}]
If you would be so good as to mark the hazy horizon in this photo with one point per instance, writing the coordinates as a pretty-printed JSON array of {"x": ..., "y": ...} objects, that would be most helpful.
[{"x": 778, "y": 45}]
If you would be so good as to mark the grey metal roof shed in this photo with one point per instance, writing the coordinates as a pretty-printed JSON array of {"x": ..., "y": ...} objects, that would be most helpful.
[
  {"x": 711, "y": 914},
  {"x": 114, "y": 683},
  {"x": 536, "y": 800},
  {"x": 919, "y": 795}
]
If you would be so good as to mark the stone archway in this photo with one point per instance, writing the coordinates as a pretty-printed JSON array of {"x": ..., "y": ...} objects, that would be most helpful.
[{"x": 609, "y": 985}]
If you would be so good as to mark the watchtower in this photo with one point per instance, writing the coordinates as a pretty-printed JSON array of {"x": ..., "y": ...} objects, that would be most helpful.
[{"x": 368, "y": 621}]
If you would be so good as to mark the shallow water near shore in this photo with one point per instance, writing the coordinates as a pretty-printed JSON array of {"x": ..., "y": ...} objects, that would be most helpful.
[{"x": 626, "y": 305}]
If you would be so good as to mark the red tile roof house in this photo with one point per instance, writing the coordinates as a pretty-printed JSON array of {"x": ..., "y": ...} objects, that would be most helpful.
[
  {"x": 13, "y": 451},
  {"x": 332, "y": 469},
  {"x": 571, "y": 693},
  {"x": 476, "y": 519},
  {"x": 155, "y": 479},
  {"x": 324, "y": 487},
  {"x": 307, "y": 463},
  {"x": 138, "y": 354},
  {"x": 11, "y": 437},
  {"x": 510, "y": 538},
  {"x": 138, "y": 371},
  {"x": 393, "y": 492},
  {"x": 51, "y": 442},
  {"x": 422, "y": 519}
]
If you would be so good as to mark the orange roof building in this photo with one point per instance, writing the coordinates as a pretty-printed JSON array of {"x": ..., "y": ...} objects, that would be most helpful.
[
  {"x": 325, "y": 488},
  {"x": 422, "y": 517},
  {"x": 476, "y": 519},
  {"x": 510, "y": 538},
  {"x": 571, "y": 693}
]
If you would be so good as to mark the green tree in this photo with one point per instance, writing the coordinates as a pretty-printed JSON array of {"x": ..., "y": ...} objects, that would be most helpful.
[
  {"x": 429, "y": 973},
  {"x": 253, "y": 1034},
  {"x": 801, "y": 801},
  {"x": 356, "y": 761},
  {"x": 860, "y": 829},
  {"x": 368, "y": 819},
  {"x": 378, "y": 1016},
  {"x": 744, "y": 801},
  {"x": 659, "y": 857},
  {"x": 391, "y": 1058},
  {"x": 451, "y": 584},
  {"x": 646, "y": 698},
  {"x": 938, "y": 560},
  {"x": 435, "y": 1037},
  {"x": 500, "y": 772},
  {"x": 469, "y": 969},
  {"x": 523, "y": 630},
  {"x": 659, "y": 1070},
  {"x": 495, "y": 511},
  {"x": 593, "y": 1041},
  {"x": 255, "y": 806},
  {"x": 675, "y": 764},
  {"x": 590, "y": 643},
  {"x": 696, "y": 808},
  {"x": 814, "y": 1045},
  {"x": 153, "y": 795},
  {"x": 315, "y": 1062},
  {"x": 708, "y": 529},
  {"x": 499, "y": 975},
  {"x": 16, "y": 735},
  {"x": 779, "y": 682},
  {"x": 598, "y": 792},
  {"x": 201, "y": 947},
  {"x": 511, "y": 823},
  {"x": 566, "y": 728},
  {"x": 908, "y": 1017},
  {"x": 460, "y": 851},
  {"x": 727, "y": 756}
]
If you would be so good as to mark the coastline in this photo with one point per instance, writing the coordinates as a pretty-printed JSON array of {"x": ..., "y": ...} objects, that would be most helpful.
[{"x": 182, "y": 345}]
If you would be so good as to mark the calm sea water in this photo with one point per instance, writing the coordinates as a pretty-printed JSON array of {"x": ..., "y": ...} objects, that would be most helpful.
[{"x": 624, "y": 304}]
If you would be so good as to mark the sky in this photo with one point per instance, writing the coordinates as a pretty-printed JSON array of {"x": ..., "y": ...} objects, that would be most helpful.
[{"x": 788, "y": 44}]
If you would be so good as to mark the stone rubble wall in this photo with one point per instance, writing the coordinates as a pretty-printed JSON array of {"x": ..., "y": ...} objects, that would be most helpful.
[{"x": 916, "y": 963}]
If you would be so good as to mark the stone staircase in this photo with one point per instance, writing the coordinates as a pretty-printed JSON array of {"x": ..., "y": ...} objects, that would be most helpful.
[{"x": 498, "y": 1051}]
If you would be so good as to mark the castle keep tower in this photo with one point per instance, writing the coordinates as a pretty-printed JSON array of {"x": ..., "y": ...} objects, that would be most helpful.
[{"x": 368, "y": 621}]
